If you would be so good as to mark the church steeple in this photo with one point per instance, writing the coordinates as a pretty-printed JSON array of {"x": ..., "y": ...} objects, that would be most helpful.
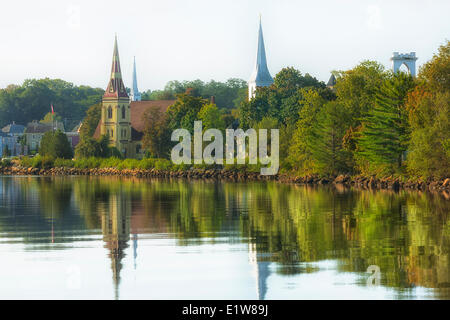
[
  {"x": 260, "y": 76},
  {"x": 116, "y": 113},
  {"x": 135, "y": 95},
  {"x": 116, "y": 88}
]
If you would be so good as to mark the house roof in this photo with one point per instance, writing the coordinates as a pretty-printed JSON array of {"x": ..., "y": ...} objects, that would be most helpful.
[
  {"x": 138, "y": 109},
  {"x": 13, "y": 128},
  {"x": 38, "y": 127}
]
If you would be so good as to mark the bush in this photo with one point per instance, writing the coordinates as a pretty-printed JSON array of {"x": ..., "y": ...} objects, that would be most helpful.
[
  {"x": 163, "y": 164},
  {"x": 111, "y": 162},
  {"x": 47, "y": 162},
  {"x": 36, "y": 162},
  {"x": 88, "y": 163},
  {"x": 66, "y": 163},
  {"x": 128, "y": 164},
  {"x": 5, "y": 163},
  {"x": 26, "y": 162},
  {"x": 147, "y": 163}
]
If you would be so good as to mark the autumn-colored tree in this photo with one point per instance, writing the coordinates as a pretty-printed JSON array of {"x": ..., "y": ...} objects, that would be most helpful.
[{"x": 429, "y": 118}]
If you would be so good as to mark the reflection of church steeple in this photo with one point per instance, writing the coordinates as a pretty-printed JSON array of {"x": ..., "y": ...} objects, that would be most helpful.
[
  {"x": 116, "y": 233},
  {"x": 135, "y": 244},
  {"x": 261, "y": 270}
]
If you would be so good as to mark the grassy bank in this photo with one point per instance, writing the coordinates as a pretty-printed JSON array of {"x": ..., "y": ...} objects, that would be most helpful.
[{"x": 122, "y": 164}]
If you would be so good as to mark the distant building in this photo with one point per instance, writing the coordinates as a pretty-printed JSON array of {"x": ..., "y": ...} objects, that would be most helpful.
[
  {"x": 121, "y": 119},
  {"x": 35, "y": 131},
  {"x": 407, "y": 59},
  {"x": 331, "y": 82},
  {"x": 261, "y": 76},
  {"x": 74, "y": 135},
  {"x": 135, "y": 95},
  {"x": 9, "y": 140},
  {"x": 14, "y": 129}
]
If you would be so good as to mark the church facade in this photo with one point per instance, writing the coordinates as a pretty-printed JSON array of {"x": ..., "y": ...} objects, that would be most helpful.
[{"x": 122, "y": 117}]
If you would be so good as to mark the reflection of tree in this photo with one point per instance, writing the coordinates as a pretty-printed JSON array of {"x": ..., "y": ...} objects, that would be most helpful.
[
  {"x": 406, "y": 234},
  {"x": 398, "y": 232}
]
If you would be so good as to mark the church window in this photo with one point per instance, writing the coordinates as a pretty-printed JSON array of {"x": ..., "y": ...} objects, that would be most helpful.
[
  {"x": 123, "y": 112},
  {"x": 109, "y": 112}
]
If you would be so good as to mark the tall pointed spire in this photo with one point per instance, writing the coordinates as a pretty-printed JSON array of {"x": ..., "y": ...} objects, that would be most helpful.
[
  {"x": 261, "y": 76},
  {"x": 135, "y": 95},
  {"x": 116, "y": 88}
]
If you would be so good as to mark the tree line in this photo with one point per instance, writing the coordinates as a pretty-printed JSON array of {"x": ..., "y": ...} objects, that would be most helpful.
[
  {"x": 32, "y": 100},
  {"x": 372, "y": 122}
]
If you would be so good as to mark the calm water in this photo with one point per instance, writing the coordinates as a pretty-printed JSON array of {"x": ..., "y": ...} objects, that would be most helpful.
[{"x": 112, "y": 238}]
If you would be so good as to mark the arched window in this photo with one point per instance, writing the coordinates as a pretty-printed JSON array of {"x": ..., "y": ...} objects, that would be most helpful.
[
  {"x": 109, "y": 112},
  {"x": 123, "y": 112}
]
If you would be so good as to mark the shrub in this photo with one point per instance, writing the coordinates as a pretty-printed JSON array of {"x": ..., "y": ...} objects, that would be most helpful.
[
  {"x": 147, "y": 163},
  {"x": 66, "y": 163},
  {"x": 37, "y": 162},
  {"x": 5, "y": 163},
  {"x": 163, "y": 164},
  {"x": 26, "y": 162},
  {"x": 111, "y": 162}
]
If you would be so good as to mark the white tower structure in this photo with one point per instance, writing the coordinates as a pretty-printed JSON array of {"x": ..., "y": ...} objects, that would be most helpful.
[
  {"x": 408, "y": 59},
  {"x": 260, "y": 76},
  {"x": 135, "y": 95}
]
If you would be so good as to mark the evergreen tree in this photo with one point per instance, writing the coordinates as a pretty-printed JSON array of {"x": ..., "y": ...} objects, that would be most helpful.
[
  {"x": 325, "y": 140},
  {"x": 55, "y": 145},
  {"x": 385, "y": 132}
]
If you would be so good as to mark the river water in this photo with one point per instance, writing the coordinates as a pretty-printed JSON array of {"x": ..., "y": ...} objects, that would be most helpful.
[{"x": 127, "y": 238}]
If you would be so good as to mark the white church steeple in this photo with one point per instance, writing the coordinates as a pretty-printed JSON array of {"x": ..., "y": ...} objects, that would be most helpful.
[
  {"x": 135, "y": 95},
  {"x": 260, "y": 76}
]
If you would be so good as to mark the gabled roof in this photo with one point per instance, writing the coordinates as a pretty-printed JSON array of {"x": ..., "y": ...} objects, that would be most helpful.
[
  {"x": 138, "y": 109},
  {"x": 261, "y": 75},
  {"x": 116, "y": 88}
]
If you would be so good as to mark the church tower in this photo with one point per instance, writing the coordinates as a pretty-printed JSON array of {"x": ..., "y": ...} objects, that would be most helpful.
[
  {"x": 260, "y": 76},
  {"x": 135, "y": 95},
  {"x": 116, "y": 116}
]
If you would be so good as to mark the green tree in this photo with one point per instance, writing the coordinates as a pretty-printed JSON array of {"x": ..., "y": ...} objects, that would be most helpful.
[
  {"x": 87, "y": 147},
  {"x": 90, "y": 121},
  {"x": 300, "y": 156},
  {"x": 50, "y": 118},
  {"x": 184, "y": 111},
  {"x": 156, "y": 138},
  {"x": 356, "y": 88},
  {"x": 6, "y": 151},
  {"x": 211, "y": 117},
  {"x": 325, "y": 139},
  {"x": 55, "y": 145},
  {"x": 385, "y": 130}
]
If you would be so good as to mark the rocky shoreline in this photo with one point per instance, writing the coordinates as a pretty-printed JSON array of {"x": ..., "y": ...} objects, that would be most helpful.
[{"x": 223, "y": 174}]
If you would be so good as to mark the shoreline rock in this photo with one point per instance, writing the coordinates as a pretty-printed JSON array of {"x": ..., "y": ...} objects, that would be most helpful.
[{"x": 363, "y": 182}]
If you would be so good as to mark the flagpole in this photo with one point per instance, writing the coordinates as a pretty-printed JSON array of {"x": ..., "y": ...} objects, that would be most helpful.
[{"x": 53, "y": 119}]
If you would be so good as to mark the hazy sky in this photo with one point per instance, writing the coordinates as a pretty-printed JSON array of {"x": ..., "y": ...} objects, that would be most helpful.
[{"x": 209, "y": 39}]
